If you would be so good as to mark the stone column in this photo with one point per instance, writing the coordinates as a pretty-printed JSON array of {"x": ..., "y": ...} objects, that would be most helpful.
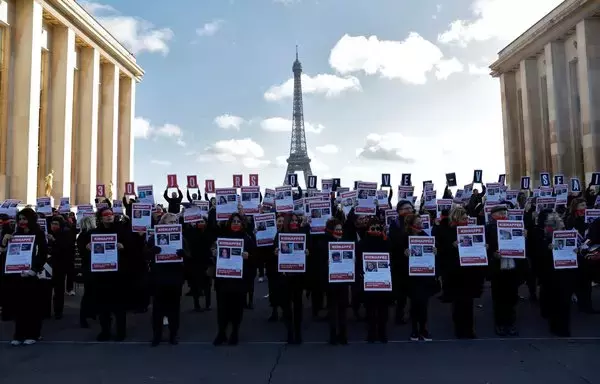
[
  {"x": 588, "y": 52},
  {"x": 126, "y": 116},
  {"x": 87, "y": 152},
  {"x": 510, "y": 121},
  {"x": 558, "y": 109},
  {"x": 109, "y": 125},
  {"x": 532, "y": 118},
  {"x": 61, "y": 115},
  {"x": 23, "y": 134}
]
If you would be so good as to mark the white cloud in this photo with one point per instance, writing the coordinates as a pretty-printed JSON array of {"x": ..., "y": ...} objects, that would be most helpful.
[
  {"x": 497, "y": 19},
  {"x": 136, "y": 34},
  {"x": 143, "y": 129},
  {"x": 281, "y": 161},
  {"x": 209, "y": 29},
  {"x": 161, "y": 162},
  {"x": 388, "y": 147},
  {"x": 409, "y": 60},
  {"x": 328, "y": 149},
  {"x": 322, "y": 84},
  {"x": 446, "y": 67},
  {"x": 478, "y": 70},
  {"x": 246, "y": 152},
  {"x": 280, "y": 124},
  {"x": 229, "y": 122}
]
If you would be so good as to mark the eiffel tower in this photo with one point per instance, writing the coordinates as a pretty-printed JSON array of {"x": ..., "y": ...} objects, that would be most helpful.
[{"x": 298, "y": 160}]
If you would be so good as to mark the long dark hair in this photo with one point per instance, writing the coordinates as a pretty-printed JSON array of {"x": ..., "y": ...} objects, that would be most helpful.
[
  {"x": 31, "y": 217},
  {"x": 288, "y": 219},
  {"x": 233, "y": 215}
]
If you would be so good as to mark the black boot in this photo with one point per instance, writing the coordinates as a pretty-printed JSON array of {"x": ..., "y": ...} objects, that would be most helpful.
[
  {"x": 220, "y": 339},
  {"x": 274, "y": 315}
]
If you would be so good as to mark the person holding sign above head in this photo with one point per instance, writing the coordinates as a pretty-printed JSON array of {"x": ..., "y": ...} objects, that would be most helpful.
[
  {"x": 110, "y": 286},
  {"x": 231, "y": 292},
  {"x": 376, "y": 302},
  {"x": 28, "y": 239},
  {"x": 174, "y": 201},
  {"x": 462, "y": 284}
]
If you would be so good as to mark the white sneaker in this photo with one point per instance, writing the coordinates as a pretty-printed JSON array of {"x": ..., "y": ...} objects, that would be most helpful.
[
  {"x": 165, "y": 321},
  {"x": 15, "y": 343},
  {"x": 29, "y": 342}
]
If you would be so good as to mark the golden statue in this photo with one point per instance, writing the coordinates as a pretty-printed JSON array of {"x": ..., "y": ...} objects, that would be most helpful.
[
  {"x": 48, "y": 181},
  {"x": 109, "y": 193}
]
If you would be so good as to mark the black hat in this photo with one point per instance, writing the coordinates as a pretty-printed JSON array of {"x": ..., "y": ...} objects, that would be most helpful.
[{"x": 499, "y": 208}]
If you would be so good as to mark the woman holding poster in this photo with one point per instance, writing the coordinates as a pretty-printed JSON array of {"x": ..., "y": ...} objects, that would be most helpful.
[
  {"x": 231, "y": 292},
  {"x": 376, "y": 302},
  {"x": 461, "y": 284},
  {"x": 29, "y": 241},
  {"x": 109, "y": 286},
  {"x": 166, "y": 277},
  {"x": 292, "y": 284},
  {"x": 199, "y": 236}
]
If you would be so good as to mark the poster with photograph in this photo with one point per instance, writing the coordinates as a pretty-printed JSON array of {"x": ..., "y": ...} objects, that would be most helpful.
[
  {"x": 493, "y": 192},
  {"x": 377, "y": 272},
  {"x": 348, "y": 200},
  {"x": 404, "y": 191},
  {"x": 430, "y": 203},
  {"x": 266, "y": 229},
  {"x": 84, "y": 210},
  {"x": 561, "y": 192},
  {"x": 516, "y": 214},
  {"x": 381, "y": 196},
  {"x": 391, "y": 215},
  {"x": 342, "y": 262},
  {"x": 192, "y": 214},
  {"x": 591, "y": 215},
  {"x": 284, "y": 201},
  {"x": 421, "y": 257},
  {"x": 564, "y": 247},
  {"x": 442, "y": 205},
  {"x": 292, "y": 252},
  {"x": 511, "y": 239},
  {"x": 117, "y": 207},
  {"x": 227, "y": 202},
  {"x": 426, "y": 224},
  {"x": 250, "y": 200},
  {"x": 471, "y": 221},
  {"x": 44, "y": 205},
  {"x": 230, "y": 262},
  {"x": 545, "y": 203},
  {"x": 307, "y": 201},
  {"x": 145, "y": 194},
  {"x": 104, "y": 253},
  {"x": 320, "y": 212},
  {"x": 64, "y": 206},
  {"x": 269, "y": 197},
  {"x": 141, "y": 217},
  {"x": 367, "y": 193},
  {"x": 299, "y": 206},
  {"x": 19, "y": 254},
  {"x": 169, "y": 239},
  {"x": 471, "y": 246},
  {"x": 43, "y": 224},
  {"x": 327, "y": 185}
]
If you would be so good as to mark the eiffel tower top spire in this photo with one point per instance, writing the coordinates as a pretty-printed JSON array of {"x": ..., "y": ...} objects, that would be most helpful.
[{"x": 298, "y": 160}]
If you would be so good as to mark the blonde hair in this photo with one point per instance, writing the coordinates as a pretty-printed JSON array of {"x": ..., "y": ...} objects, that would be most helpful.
[
  {"x": 88, "y": 223},
  {"x": 456, "y": 213},
  {"x": 167, "y": 217}
]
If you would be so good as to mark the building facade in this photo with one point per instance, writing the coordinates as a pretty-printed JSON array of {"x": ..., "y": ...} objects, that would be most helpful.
[
  {"x": 67, "y": 102},
  {"x": 550, "y": 87}
]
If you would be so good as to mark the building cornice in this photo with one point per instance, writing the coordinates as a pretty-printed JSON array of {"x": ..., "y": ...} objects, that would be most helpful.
[
  {"x": 553, "y": 26},
  {"x": 92, "y": 30}
]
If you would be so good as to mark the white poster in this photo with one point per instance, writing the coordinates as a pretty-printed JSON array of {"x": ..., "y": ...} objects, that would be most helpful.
[
  {"x": 348, "y": 200},
  {"x": 320, "y": 212},
  {"x": 292, "y": 252},
  {"x": 342, "y": 262},
  {"x": 471, "y": 246},
  {"x": 564, "y": 245},
  {"x": 145, "y": 194},
  {"x": 382, "y": 199},
  {"x": 284, "y": 201},
  {"x": 377, "y": 272},
  {"x": 44, "y": 205},
  {"x": 366, "y": 198},
  {"x": 169, "y": 239},
  {"x": 142, "y": 217},
  {"x": 426, "y": 223},
  {"x": 227, "y": 203},
  {"x": 421, "y": 259},
  {"x": 265, "y": 229},
  {"x": 64, "y": 206},
  {"x": 19, "y": 254},
  {"x": 516, "y": 214},
  {"x": 511, "y": 239},
  {"x": 443, "y": 205},
  {"x": 105, "y": 257},
  {"x": 591, "y": 215},
  {"x": 269, "y": 197},
  {"x": 230, "y": 263},
  {"x": 117, "y": 207},
  {"x": 250, "y": 200}
]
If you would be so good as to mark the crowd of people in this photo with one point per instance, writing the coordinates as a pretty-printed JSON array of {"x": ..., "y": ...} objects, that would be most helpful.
[{"x": 140, "y": 283}]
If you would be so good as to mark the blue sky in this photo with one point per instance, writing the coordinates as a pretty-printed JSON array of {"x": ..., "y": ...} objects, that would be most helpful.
[{"x": 393, "y": 86}]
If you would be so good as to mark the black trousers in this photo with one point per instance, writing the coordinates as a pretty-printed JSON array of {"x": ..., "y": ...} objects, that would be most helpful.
[
  {"x": 292, "y": 311},
  {"x": 70, "y": 275},
  {"x": 28, "y": 312},
  {"x": 583, "y": 288},
  {"x": 272, "y": 286},
  {"x": 201, "y": 286},
  {"x": 462, "y": 315},
  {"x": 337, "y": 304},
  {"x": 58, "y": 288},
  {"x": 166, "y": 302},
  {"x": 419, "y": 309},
  {"x": 108, "y": 306},
  {"x": 317, "y": 299},
  {"x": 505, "y": 296},
  {"x": 555, "y": 304},
  {"x": 230, "y": 310},
  {"x": 377, "y": 311}
]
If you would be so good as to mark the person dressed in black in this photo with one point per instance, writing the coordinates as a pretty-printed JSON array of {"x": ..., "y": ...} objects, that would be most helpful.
[
  {"x": 25, "y": 285},
  {"x": 88, "y": 306},
  {"x": 399, "y": 261},
  {"x": 199, "y": 237},
  {"x": 376, "y": 303},
  {"x": 110, "y": 285},
  {"x": 231, "y": 292},
  {"x": 59, "y": 249},
  {"x": 166, "y": 283},
  {"x": 174, "y": 201},
  {"x": 507, "y": 275}
]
